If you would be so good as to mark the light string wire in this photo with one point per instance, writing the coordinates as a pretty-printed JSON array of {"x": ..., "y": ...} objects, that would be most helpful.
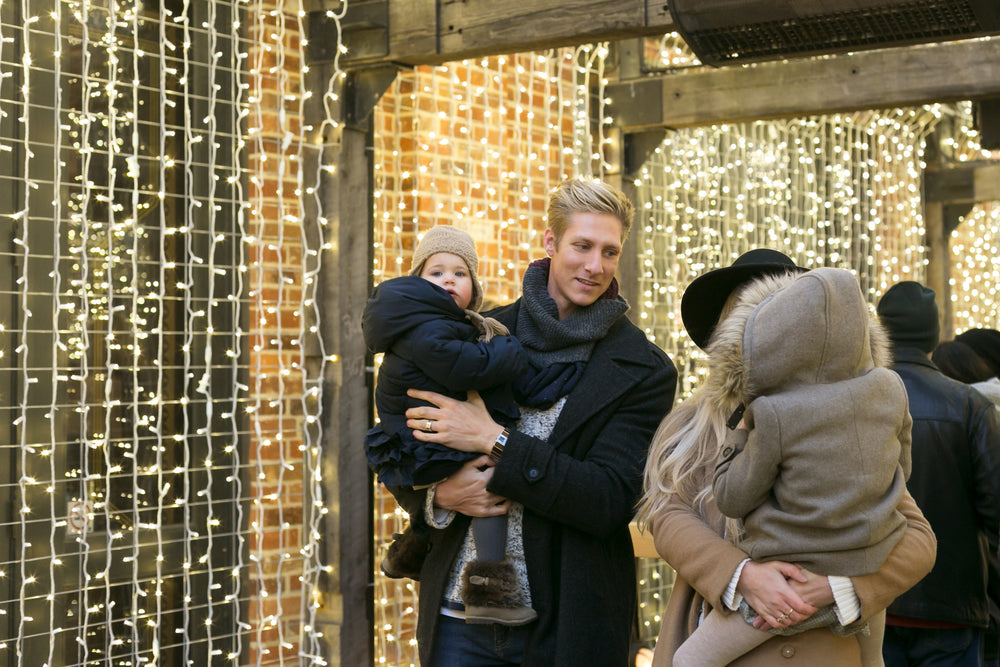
[
  {"x": 84, "y": 318},
  {"x": 110, "y": 469},
  {"x": 138, "y": 595},
  {"x": 239, "y": 112},
  {"x": 205, "y": 387},
  {"x": 162, "y": 484},
  {"x": 21, "y": 422},
  {"x": 258, "y": 156},
  {"x": 190, "y": 258},
  {"x": 57, "y": 345},
  {"x": 314, "y": 510},
  {"x": 284, "y": 138}
]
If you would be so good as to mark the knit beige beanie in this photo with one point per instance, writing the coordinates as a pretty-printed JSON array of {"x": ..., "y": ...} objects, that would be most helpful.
[{"x": 445, "y": 238}]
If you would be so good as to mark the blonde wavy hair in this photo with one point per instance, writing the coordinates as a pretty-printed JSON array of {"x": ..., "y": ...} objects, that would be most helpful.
[
  {"x": 682, "y": 456},
  {"x": 581, "y": 195},
  {"x": 683, "y": 452}
]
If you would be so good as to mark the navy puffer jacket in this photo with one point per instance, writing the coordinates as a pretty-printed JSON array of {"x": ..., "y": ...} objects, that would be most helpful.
[{"x": 429, "y": 344}]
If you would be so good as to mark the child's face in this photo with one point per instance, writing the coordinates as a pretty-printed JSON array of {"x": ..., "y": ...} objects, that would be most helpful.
[{"x": 450, "y": 273}]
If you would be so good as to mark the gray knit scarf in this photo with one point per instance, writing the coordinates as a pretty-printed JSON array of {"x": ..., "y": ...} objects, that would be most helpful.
[{"x": 558, "y": 350}]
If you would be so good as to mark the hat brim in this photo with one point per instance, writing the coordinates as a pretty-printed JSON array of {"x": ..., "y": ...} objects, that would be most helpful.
[{"x": 706, "y": 296}]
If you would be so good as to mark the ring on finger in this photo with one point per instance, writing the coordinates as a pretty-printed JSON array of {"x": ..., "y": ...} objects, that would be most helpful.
[
  {"x": 428, "y": 425},
  {"x": 782, "y": 618}
]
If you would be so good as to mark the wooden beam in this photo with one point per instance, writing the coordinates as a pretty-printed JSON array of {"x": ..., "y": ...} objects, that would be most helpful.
[
  {"x": 969, "y": 183},
  {"x": 908, "y": 76},
  {"x": 421, "y": 32}
]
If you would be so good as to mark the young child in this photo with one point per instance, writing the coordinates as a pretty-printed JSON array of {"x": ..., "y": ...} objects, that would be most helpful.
[
  {"x": 819, "y": 469},
  {"x": 434, "y": 339}
]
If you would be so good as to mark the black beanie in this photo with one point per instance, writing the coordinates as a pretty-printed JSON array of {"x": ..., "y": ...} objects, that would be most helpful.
[
  {"x": 985, "y": 343},
  {"x": 908, "y": 312}
]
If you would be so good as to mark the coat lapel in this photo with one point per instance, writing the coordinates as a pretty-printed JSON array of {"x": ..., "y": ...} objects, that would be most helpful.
[{"x": 613, "y": 369}]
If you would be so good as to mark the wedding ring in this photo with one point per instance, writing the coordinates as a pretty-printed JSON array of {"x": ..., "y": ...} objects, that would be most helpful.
[{"x": 428, "y": 426}]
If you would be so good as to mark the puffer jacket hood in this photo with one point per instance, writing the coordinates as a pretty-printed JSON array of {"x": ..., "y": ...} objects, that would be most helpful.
[
  {"x": 405, "y": 304},
  {"x": 780, "y": 334}
]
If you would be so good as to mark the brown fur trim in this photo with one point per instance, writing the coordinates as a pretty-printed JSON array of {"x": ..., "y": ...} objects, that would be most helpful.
[{"x": 491, "y": 585}]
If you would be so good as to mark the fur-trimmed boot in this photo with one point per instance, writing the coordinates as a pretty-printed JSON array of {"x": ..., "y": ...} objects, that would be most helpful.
[
  {"x": 405, "y": 556},
  {"x": 492, "y": 595}
]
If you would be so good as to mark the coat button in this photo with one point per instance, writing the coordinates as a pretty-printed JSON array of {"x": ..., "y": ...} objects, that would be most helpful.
[
  {"x": 727, "y": 451},
  {"x": 787, "y": 651},
  {"x": 533, "y": 473}
]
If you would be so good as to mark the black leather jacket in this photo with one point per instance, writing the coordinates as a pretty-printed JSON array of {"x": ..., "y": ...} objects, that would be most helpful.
[{"x": 956, "y": 483}]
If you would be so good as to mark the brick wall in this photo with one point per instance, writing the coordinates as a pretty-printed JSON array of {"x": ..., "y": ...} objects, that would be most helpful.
[{"x": 274, "y": 281}]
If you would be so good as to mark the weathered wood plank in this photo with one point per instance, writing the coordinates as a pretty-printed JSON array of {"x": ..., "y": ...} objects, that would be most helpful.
[
  {"x": 436, "y": 31},
  {"x": 413, "y": 29},
  {"x": 969, "y": 183},
  {"x": 874, "y": 79}
]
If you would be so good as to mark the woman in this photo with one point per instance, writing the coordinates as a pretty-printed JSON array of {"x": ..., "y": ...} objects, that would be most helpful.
[{"x": 688, "y": 529}]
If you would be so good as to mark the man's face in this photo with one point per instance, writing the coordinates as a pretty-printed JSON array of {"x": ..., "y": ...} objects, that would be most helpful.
[{"x": 584, "y": 260}]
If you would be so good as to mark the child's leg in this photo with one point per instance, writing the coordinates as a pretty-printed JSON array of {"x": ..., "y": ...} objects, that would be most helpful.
[
  {"x": 491, "y": 590},
  {"x": 719, "y": 640},
  {"x": 871, "y": 646},
  {"x": 490, "y": 536}
]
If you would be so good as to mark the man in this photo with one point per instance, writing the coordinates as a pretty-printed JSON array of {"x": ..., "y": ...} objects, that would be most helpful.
[
  {"x": 956, "y": 483},
  {"x": 569, "y": 475}
]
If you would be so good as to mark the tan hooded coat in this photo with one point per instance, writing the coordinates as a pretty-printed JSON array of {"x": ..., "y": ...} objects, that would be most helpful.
[
  {"x": 818, "y": 476},
  {"x": 690, "y": 540}
]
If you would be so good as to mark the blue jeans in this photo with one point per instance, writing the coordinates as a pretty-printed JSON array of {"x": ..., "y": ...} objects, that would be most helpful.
[
  {"x": 461, "y": 644},
  {"x": 920, "y": 647}
]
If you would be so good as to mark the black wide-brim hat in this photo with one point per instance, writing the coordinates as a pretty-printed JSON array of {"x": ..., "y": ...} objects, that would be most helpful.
[{"x": 706, "y": 296}]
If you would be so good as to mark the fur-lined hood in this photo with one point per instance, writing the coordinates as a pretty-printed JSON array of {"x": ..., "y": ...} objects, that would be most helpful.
[{"x": 792, "y": 330}]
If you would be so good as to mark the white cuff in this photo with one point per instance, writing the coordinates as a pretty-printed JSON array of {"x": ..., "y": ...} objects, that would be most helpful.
[
  {"x": 732, "y": 598},
  {"x": 436, "y": 516},
  {"x": 846, "y": 602}
]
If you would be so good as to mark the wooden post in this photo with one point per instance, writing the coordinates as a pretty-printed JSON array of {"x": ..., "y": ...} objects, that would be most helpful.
[
  {"x": 344, "y": 156},
  {"x": 938, "y": 265}
]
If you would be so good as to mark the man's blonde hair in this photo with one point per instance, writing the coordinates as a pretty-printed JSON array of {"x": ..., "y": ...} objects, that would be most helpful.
[{"x": 579, "y": 195}]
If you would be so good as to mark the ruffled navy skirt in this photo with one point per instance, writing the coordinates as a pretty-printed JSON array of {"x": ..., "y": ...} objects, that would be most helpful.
[{"x": 399, "y": 459}]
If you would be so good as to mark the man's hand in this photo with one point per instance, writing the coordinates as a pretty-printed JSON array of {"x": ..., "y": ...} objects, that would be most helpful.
[
  {"x": 462, "y": 425},
  {"x": 465, "y": 491}
]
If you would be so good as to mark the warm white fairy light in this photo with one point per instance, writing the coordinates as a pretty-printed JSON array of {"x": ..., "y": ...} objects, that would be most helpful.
[
  {"x": 829, "y": 191},
  {"x": 975, "y": 271},
  {"x": 139, "y": 431}
]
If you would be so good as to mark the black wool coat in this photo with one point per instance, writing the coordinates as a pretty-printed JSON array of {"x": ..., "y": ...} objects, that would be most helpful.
[{"x": 579, "y": 491}]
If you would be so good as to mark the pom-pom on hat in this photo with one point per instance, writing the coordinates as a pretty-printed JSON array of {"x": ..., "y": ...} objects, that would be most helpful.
[
  {"x": 445, "y": 238},
  {"x": 985, "y": 343},
  {"x": 706, "y": 296},
  {"x": 910, "y": 315}
]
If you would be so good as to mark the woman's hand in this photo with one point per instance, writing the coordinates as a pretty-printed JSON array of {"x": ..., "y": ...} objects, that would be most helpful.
[
  {"x": 767, "y": 588},
  {"x": 465, "y": 491},
  {"x": 813, "y": 588},
  {"x": 462, "y": 425}
]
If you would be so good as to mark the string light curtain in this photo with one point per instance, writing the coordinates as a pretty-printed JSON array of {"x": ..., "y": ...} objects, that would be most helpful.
[
  {"x": 838, "y": 190},
  {"x": 160, "y": 493},
  {"x": 477, "y": 144},
  {"x": 975, "y": 270},
  {"x": 975, "y": 243}
]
